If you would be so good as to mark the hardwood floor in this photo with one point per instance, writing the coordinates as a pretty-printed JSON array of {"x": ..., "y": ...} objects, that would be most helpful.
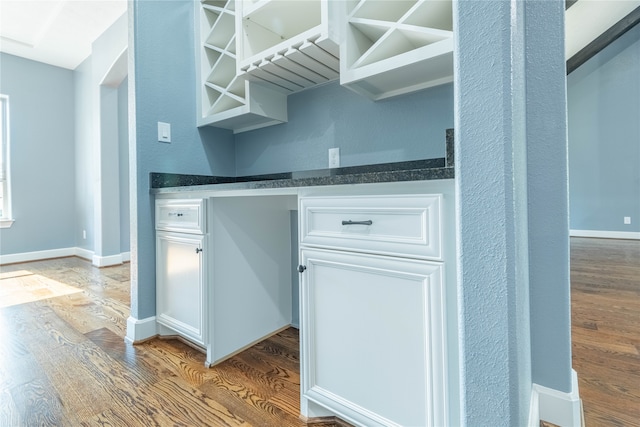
[
  {"x": 63, "y": 360},
  {"x": 605, "y": 295}
]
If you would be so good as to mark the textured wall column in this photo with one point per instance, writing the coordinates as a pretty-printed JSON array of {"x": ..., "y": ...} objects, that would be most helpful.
[
  {"x": 492, "y": 213},
  {"x": 511, "y": 205}
]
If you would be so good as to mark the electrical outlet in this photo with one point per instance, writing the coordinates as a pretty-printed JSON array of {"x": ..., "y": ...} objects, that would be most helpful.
[
  {"x": 84, "y": 234},
  {"x": 627, "y": 220},
  {"x": 334, "y": 157}
]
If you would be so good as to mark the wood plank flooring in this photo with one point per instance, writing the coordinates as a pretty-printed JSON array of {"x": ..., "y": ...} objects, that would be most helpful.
[
  {"x": 605, "y": 329},
  {"x": 64, "y": 362}
]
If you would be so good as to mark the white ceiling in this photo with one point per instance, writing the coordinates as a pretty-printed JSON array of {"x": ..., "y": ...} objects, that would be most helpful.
[
  {"x": 56, "y": 32},
  {"x": 60, "y": 32},
  {"x": 587, "y": 19}
]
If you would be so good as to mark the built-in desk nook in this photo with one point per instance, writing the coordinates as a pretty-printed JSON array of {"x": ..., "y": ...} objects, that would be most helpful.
[{"x": 361, "y": 259}]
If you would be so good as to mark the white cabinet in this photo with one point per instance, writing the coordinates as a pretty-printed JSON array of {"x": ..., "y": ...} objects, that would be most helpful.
[
  {"x": 225, "y": 99},
  {"x": 373, "y": 326},
  {"x": 180, "y": 284},
  {"x": 180, "y": 269},
  {"x": 291, "y": 44},
  {"x": 391, "y": 47}
]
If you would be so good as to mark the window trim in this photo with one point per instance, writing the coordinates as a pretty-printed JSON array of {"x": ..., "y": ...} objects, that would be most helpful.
[{"x": 7, "y": 220}]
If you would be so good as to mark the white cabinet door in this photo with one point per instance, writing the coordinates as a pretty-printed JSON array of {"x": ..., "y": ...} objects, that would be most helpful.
[
  {"x": 180, "y": 284},
  {"x": 372, "y": 338}
]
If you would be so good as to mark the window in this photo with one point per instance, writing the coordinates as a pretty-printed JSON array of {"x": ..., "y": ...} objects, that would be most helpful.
[{"x": 5, "y": 188}]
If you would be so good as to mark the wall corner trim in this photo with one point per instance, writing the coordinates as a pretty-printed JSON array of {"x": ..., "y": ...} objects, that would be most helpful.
[
  {"x": 107, "y": 261},
  {"x": 139, "y": 330},
  {"x": 603, "y": 234},
  {"x": 534, "y": 409},
  {"x": 557, "y": 407}
]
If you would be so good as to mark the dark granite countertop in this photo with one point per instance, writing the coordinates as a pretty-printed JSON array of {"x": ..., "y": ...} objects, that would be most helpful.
[{"x": 416, "y": 170}]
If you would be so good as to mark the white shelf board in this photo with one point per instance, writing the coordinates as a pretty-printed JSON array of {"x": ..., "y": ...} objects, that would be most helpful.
[
  {"x": 383, "y": 10},
  {"x": 263, "y": 106},
  {"x": 421, "y": 68}
]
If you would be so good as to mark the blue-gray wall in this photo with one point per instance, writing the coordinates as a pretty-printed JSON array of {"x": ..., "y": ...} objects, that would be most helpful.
[
  {"x": 123, "y": 163},
  {"x": 604, "y": 138},
  {"x": 162, "y": 77},
  {"x": 42, "y": 155},
  {"x": 45, "y": 101},
  {"x": 512, "y": 214},
  {"x": 83, "y": 160},
  {"x": 409, "y": 127},
  {"x": 547, "y": 194}
]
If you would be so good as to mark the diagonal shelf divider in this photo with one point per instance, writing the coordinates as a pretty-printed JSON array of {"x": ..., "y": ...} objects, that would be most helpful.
[{"x": 395, "y": 47}]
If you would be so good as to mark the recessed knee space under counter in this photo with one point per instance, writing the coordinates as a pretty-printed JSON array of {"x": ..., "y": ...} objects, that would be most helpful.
[{"x": 374, "y": 292}]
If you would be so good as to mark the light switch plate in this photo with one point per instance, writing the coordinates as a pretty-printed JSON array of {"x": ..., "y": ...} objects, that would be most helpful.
[{"x": 164, "y": 132}]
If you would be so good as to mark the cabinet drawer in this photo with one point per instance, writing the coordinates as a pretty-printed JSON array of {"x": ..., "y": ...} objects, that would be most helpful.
[
  {"x": 185, "y": 215},
  {"x": 407, "y": 225}
]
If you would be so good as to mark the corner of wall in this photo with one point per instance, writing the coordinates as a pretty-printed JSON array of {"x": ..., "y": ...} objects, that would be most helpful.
[
  {"x": 560, "y": 408},
  {"x": 139, "y": 330}
]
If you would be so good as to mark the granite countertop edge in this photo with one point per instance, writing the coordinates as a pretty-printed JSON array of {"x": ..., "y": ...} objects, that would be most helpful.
[{"x": 176, "y": 183}]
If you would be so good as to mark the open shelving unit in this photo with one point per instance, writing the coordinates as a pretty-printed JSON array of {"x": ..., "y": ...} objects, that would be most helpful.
[
  {"x": 253, "y": 53},
  {"x": 392, "y": 47},
  {"x": 292, "y": 45},
  {"x": 226, "y": 99}
]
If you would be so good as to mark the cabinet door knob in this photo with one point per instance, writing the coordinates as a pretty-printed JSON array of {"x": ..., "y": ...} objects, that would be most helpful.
[
  {"x": 302, "y": 268},
  {"x": 198, "y": 250}
]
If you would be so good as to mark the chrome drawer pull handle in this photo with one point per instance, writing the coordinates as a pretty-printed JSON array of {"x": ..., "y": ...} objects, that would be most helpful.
[{"x": 367, "y": 222}]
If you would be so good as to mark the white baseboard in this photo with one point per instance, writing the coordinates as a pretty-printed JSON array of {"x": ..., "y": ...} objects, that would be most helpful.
[
  {"x": 140, "y": 329},
  {"x": 107, "y": 261},
  {"x": 559, "y": 408},
  {"x": 634, "y": 235},
  {"x": 84, "y": 254},
  {"x": 37, "y": 255},
  {"x": 66, "y": 252}
]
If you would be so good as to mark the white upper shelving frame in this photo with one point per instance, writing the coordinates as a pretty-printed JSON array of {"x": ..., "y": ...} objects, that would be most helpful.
[{"x": 224, "y": 98}]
